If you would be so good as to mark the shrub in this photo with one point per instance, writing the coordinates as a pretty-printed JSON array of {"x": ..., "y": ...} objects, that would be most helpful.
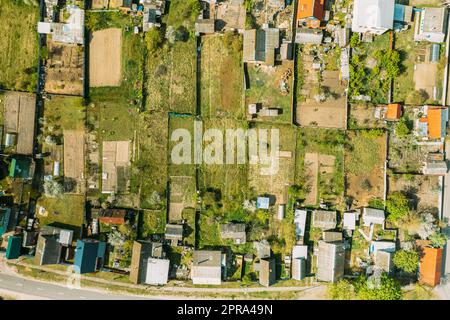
[
  {"x": 406, "y": 260},
  {"x": 397, "y": 205}
]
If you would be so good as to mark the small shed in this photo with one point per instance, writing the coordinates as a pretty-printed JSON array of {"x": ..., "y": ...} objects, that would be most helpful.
[
  {"x": 14, "y": 247},
  {"x": 325, "y": 220},
  {"x": 373, "y": 216},
  {"x": 394, "y": 112},
  {"x": 430, "y": 266},
  {"x": 263, "y": 203},
  {"x": 281, "y": 211},
  {"x": 300, "y": 222},
  {"x": 234, "y": 231},
  {"x": 350, "y": 220},
  {"x": 174, "y": 233},
  {"x": 388, "y": 246}
]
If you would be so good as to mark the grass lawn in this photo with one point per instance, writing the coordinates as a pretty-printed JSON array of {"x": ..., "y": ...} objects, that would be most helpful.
[
  {"x": 189, "y": 215},
  {"x": 209, "y": 230},
  {"x": 222, "y": 76},
  {"x": 68, "y": 112},
  {"x": 265, "y": 89},
  {"x": 116, "y": 108},
  {"x": 177, "y": 124},
  {"x": 19, "y": 45},
  {"x": 171, "y": 78},
  {"x": 171, "y": 70},
  {"x": 323, "y": 142},
  {"x": 67, "y": 211},
  {"x": 228, "y": 180}
]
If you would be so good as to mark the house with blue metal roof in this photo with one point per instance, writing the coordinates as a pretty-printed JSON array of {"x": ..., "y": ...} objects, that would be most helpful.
[{"x": 89, "y": 256}]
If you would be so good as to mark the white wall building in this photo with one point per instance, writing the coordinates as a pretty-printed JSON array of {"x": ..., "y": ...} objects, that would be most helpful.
[{"x": 373, "y": 16}]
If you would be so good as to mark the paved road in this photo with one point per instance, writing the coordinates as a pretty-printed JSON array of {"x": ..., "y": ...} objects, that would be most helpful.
[{"x": 30, "y": 289}]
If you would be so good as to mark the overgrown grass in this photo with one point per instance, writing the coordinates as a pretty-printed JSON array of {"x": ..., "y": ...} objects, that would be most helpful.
[{"x": 19, "y": 45}]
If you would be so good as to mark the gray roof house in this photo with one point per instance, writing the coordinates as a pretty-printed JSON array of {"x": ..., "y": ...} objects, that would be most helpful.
[
  {"x": 260, "y": 45},
  {"x": 206, "y": 267},
  {"x": 431, "y": 24},
  {"x": 323, "y": 219},
  {"x": 174, "y": 233},
  {"x": 157, "y": 271},
  {"x": 234, "y": 231},
  {"x": 267, "y": 276},
  {"x": 48, "y": 250},
  {"x": 373, "y": 216},
  {"x": 331, "y": 260}
]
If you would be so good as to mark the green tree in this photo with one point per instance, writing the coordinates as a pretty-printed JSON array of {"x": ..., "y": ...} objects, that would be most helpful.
[
  {"x": 386, "y": 289},
  {"x": 154, "y": 40},
  {"x": 341, "y": 290},
  {"x": 438, "y": 240},
  {"x": 397, "y": 205},
  {"x": 403, "y": 127},
  {"x": 354, "y": 40},
  {"x": 406, "y": 260}
]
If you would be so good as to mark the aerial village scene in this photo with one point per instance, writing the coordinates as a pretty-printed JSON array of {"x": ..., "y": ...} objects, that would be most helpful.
[{"x": 92, "y": 93}]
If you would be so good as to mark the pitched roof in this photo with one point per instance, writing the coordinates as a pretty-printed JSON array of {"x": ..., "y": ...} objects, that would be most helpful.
[
  {"x": 394, "y": 111},
  {"x": 310, "y": 9},
  {"x": 324, "y": 219},
  {"x": 437, "y": 118},
  {"x": 206, "y": 267},
  {"x": 430, "y": 266},
  {"x": 373, "y": 14}
]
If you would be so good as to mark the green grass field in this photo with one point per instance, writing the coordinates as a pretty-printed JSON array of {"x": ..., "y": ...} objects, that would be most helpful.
[
  {"x": 222, "y": 76},
  {"x": 19, "y": 45},
  {"x": 68, "y": 112}
]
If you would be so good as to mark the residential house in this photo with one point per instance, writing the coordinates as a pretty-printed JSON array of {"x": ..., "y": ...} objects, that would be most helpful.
[
  {"x": 373, "y": 216},
  {"x": 234, "y": 231},
  {"x": 206, "y": 267},
  {"x": 142, "y": 252},
  {"x": 313, "y": 36},
  {"x": 299, "y": 257},
  {"x": 71, "y": 31},
  {"x": 300, "y": 222},
  {"x": 262, "y": 249},
  {"x": 331, "y": 260},
  {"x": 89, "y": 256},
  {"x": 323, "y": 219},
  {"x": 205, "y": 26},
  {"x": 64, "y": 236},
  {"x": 433, "y": 126},
  {"x": 373, "y": 16},
  {"x": 48, "y": 250},
  {"x": 174, "y": 233},
  {"x": 350, "y": 218},
  {"x": 14, "y": 247},
  {"x": 430, "y": 266},
  {"x": 157, "y": 271},
  {"x": 394, "y": 112},
  {"x": 151, "y": 19},
  {"x": 310, "y": 13},
  {"x": 260, "y": 45},
  {"x": 267, "y": 276},
  {"x": 332, "y": 236},
  {"x": 431, "y": 24},
  {"x": 435, "y": 164}
]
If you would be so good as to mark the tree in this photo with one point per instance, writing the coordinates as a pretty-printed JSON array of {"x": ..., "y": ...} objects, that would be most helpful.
[
  {"x": 354, "y": 40},
  {"x": 406, "y": 260},
  {"x": 154, "y": 40},
  {"x": 53, "y": 188},
  {"x": 385, "y": 289},
  {"x": 438, "y": 240},
  {"x": 403, "y": 127},
  {"x": 341, "y": 290},
  {"x": 116, "y": 239},
  {"x": 417, "y": 97},
  {"x": 397, "y": 205}
]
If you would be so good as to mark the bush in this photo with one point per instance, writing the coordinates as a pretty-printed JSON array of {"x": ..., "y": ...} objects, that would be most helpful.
[
  {"x": 406, "y": 260},
  {"x": 341, "y": 290},
  {"x": 386, "y": 289},
  {"x": 397, "y": 205},
  {"x": 417, "y": 97},
  {"x": 438, "y": 240},
  {"x": 404, "y": 127}
]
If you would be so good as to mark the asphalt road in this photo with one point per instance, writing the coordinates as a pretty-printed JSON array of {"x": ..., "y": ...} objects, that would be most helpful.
[{"x": 30, "y": 289}]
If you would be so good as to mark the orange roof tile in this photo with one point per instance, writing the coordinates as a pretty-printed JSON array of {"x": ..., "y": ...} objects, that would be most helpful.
[
  {"x": 434, "y": 123},
  {"x": 394, "y": 111},
  {"x": 310, "y": 8},
  {"x": 430, "y": 266}
]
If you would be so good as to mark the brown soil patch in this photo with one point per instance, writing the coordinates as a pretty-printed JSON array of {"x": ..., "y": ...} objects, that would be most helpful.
[
  {"x": 20, "y": 113},
  {"x": 105, "y": 58}
]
